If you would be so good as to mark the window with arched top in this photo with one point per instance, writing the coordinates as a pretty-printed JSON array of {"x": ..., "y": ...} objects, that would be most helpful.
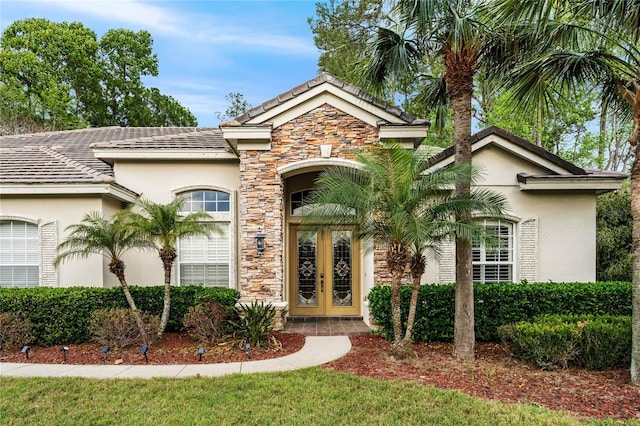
[
  {"x": 495, "y": 264},
  {"x": 19, "y": 254},
  {"x": 207, "y": 260}
]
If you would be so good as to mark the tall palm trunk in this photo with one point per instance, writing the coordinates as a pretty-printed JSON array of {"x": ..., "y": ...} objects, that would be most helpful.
[
  {"x": 633, "y": 97},
  {"x": 168, "y": 256},
  {"x": 418, "y": 265},
  {"x": 116, "y": 267},
  {"x": 460, "y": 68}
]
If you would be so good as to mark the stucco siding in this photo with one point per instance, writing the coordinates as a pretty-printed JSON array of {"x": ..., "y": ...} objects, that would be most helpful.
[{"x": 54, "y": 215}]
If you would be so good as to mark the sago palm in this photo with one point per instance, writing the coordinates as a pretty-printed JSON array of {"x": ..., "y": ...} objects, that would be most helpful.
[
  {"x": 163, "y": 225},
  {"x": 108, "y": 237},
  {"x": 395, "y": 201},
  {"x": 599, "y": 43}
]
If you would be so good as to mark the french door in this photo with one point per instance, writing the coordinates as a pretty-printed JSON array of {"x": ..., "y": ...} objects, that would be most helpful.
[{"x": 324, "y": 273}]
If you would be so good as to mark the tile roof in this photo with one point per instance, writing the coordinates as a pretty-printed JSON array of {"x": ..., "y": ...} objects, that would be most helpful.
[
  {"x": 317, "y": 81},
  {"x": 67, "y": 156}
]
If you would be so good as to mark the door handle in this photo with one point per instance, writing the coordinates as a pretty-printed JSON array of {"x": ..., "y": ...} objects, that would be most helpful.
[{"x": 322, "y": 282}]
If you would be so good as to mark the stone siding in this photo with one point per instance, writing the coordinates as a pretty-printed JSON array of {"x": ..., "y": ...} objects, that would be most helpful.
[{"x": 261, "y": 196}]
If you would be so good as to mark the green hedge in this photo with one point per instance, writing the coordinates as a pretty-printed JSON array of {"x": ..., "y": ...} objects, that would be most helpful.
[
  {"x": 499, "y": 304},
  {"x": 61, "y": 315},
  {"x": 557, "y": 341}
]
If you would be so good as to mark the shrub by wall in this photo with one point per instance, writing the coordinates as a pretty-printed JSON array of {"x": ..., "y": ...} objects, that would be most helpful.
[
  {"x": 62, "y": 315},
  {"x": 498, "y": 304}
]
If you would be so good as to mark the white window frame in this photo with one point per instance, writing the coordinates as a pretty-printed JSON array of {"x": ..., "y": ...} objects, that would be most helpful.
[
  {"x": 484, "y": 259},
  {"x": 218, "y": 217},
  {"x": 29, "y": 256}
]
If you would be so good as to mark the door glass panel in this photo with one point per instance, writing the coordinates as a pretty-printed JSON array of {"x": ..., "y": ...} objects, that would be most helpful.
[
  {"x": 307, "y": 269},
  {"x": 342, "y": 268}
]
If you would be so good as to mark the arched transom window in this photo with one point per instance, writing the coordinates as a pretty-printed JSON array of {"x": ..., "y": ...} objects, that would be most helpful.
[
  {"x": 495, "y": 264},
  {"x": 206, "y": 260}
]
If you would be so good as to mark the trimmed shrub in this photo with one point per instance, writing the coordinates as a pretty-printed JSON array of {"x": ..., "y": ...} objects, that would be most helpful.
[
  {"x": 605, "y": 343},
  {"x": 15, "y": 331},
  {"x": 117, "y": 327},
  {"x": 556, "y": 341},
  {"x": 62, "y": 315},
  {"x": 207, "y": 321},
  {"x": 255, "y": 323},
  {"x": 498, "y": 304},
  {"x": 549, "y": 346}
]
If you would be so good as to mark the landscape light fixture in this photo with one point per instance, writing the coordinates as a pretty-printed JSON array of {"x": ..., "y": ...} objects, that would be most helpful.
[
  {"x": 104, "y": 350},
  {"x": 200, "y": 352},
  {"x": 260, "y": 244},
  {"x": 144, "y": 351},
  {"x": 64, "y": 351},
  {"x": 247, "y": 346},
  {"x": 25, "y": 350}
]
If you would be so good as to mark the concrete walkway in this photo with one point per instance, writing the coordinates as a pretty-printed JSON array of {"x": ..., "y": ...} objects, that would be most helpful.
[{"x": 316, "y": 350}]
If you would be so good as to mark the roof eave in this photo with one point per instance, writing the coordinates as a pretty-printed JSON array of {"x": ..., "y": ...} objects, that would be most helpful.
[{"x": 113, "y": 190}]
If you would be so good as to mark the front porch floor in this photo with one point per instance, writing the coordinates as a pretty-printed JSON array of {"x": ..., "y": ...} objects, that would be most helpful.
[{"x": 326, "y": 326}]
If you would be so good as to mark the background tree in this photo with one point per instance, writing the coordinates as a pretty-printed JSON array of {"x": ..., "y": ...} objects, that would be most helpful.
[
  {"x": 162, "y": 226},
  {"x": 392, "y": 200},
  {"x": 613, "y": 236},
  {"x": 237, "y": 106},
  {"x": 58, "y": 76},
  {"x": 110, "y": 238}
]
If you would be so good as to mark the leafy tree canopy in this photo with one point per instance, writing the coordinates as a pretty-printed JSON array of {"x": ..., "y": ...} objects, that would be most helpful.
[{"x": 60, "y": 76}]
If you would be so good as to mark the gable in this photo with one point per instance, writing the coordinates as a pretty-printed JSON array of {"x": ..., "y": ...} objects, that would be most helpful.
[
  {"x": 507, "y": 159},
  {"x": 253, "y": 129}
]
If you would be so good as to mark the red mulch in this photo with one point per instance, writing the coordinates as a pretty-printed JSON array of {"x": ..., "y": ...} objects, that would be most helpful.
[
  {"x": 175, "y": 348},
  {"x": 493, "y": 375}
]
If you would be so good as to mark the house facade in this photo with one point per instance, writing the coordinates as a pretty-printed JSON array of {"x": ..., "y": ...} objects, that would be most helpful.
[{"x": 253, "y": 175}]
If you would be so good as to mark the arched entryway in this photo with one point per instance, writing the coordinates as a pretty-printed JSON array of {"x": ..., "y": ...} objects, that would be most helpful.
[{"x": 323, "y": 268}]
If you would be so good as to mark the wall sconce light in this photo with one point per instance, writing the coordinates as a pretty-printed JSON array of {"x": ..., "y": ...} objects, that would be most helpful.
[
  {"x": 200, "y": 352},
  {"x": 144, "y": 351},
  {"x": 64, "y": 351},
  {"x": 260, "y": 244},
  {"x": 104, "y": 350},
  {"x": 25, "y": 350}
]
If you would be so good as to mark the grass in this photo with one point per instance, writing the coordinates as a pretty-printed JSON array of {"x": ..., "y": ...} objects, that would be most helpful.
[{"x": 305, "y": 397}]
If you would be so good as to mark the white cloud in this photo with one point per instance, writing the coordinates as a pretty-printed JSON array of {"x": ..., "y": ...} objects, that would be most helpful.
[
  {"x": 166, "y": 19},
  {"x": 156, "y": 19}
]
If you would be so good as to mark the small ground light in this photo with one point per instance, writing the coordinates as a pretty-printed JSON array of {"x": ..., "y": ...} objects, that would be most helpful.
[
  {"x": 104, "y": 350},
  {"x": 247, "y": 346},
  {"x": 144, "y": 351},
  {"x": 25, "y": 350},
  {"x": 64, "y": 351},
  {"x": 200, "y": 352}
]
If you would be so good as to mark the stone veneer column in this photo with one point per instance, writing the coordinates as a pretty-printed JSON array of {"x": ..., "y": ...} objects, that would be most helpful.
[{"x": 261, "y": 203}]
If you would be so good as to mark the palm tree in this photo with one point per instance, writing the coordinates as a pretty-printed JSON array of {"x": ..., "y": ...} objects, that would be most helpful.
[
  {"x": 394, "y": 200},
  {"x": 110, "y": 238},
  {"x": 162, "y": 226},
  {"x": 455, "y": 36},
  {"x": 598, "y": 42}
]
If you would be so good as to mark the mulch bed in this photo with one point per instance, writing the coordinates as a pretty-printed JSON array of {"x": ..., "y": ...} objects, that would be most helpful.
[
  {"x": 493, "y": 375},
  {"x": 175, "y": 348}
]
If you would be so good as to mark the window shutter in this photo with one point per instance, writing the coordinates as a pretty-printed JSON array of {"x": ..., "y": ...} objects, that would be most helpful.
[
  {"x": 528, "y": 264},
  {"x": 48, "y": 244}
]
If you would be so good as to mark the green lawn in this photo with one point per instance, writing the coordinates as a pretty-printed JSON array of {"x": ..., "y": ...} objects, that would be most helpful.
[{"x": 306, "y": 397}]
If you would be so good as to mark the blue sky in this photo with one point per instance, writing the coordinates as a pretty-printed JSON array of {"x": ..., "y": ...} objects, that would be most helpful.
[{"x": 207, "y": 48}]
